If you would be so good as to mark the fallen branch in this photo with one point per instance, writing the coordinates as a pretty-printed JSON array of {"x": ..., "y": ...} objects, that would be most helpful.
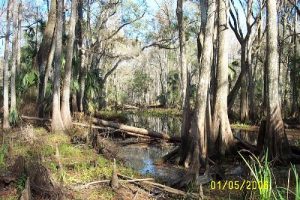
[
  {"x": 163, "y": 187},
  {"x": 35, "y": 118},
  {"x": 108, "y": 181}
]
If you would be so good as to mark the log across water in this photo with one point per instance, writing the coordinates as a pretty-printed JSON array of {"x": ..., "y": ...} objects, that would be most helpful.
[{"x": 132, "y": 129}]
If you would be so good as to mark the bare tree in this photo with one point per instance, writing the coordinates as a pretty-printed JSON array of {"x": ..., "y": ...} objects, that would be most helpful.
[
  {"x": 245, "y": 40},
  {"x": 65, "y": 105},
  {"x": 57, "y": 123}
]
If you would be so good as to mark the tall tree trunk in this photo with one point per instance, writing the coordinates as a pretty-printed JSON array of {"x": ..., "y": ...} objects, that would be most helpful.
[
  {"x": 19, "y": 37},
  {"x": 221, "y": 126},
  {"x": 275, "y": 140},
  {"x": 293, "y": 73},
  {"x": 244, "y": 84},
  {"x": 43, "y": 54},
  {"x": 65, "y": 106},
  {"x": 13, "y": 98},
  {"x": 202, "y": 108},
  {"x": 82, "y": 57},
  {"x": 184, "y": 76},
  {"x": 57, "y": 123},
  {"x": 5, "y": 69}
]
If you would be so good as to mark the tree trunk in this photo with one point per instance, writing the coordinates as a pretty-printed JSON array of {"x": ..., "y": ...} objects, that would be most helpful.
[
  {"x": 221, "y": 127},
  {"x": 19, "y": 37},
  {"x": 15, "y": 43},
  {"x": 244, "y": 84},
  {"x": 293, "y": 73},
  {"x": 5, "y": 69},
  {"x": 201, "y": 116},
  {"x": 65, "y": 106},
  {"x": 57, "y": 123},
  {"x": 184, "y": 76},
  {"x": 49, "y": 64},
  {"x": 43, "y": 54},
  {"x": 82, "y": 57},
  {"x": 275, "y": 138}
]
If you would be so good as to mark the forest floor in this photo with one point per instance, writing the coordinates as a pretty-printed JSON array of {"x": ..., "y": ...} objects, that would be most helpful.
[
  {"x": 81, "y": 164},
  {"x": 71, "y": 164}
]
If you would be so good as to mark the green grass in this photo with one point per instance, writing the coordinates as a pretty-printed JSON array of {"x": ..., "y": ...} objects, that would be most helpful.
[
  {"x": 243, "y": 126},
  {"x": 157, "y": 112},
  {"x": 110, "y": 115},
  {"x": 81, "y": 164},
  {"x": 261, "y": 172},
  {"x": 3, "y": 152}
]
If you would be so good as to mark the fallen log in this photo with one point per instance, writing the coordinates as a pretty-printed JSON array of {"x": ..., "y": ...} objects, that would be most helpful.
[
  {"x": 132, "y": 129},
  {"x": 35, "y": 118},
  {"x": 126, "y": 106}
]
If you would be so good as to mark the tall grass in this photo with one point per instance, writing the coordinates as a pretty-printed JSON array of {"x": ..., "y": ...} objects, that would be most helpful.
[{"x": 262, "y": 173}]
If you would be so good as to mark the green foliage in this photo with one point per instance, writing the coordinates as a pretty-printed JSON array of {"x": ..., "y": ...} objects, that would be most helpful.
[
  {"x": 173, "y": 88},
  {"x": 21, "y": 182},
  {"x": 14, "y": 117},
  {"x": 141, "y": 81},
  {"x": 3, "y": 152},
  {"x": 94, "y": 85},
  {"x": 262, "y": 175},
  {"x": 297, "y": 183}
]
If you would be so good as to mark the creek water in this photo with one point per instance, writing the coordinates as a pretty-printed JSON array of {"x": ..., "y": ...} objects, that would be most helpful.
[{"x": 142, "y": 157}]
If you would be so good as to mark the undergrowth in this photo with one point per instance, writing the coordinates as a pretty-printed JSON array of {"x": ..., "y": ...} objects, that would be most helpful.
[{"x": 262, "y": 172}]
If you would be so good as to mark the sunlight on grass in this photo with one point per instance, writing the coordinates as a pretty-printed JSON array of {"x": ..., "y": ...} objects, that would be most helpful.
[{"x": 267, "y": 187}]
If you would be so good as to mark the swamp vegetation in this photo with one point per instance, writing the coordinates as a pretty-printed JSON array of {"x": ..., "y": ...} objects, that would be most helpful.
[{"x": 150, "y": 99}]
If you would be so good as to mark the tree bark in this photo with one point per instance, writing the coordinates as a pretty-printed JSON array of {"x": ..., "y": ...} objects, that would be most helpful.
[
  {"x": 275, "y": 138},
  {"x": 6, "y": 124},
  {"x": 184, "y": 78},
  {"x": 202, "y": 113},
  {"x": 57, "y": 123},
  {"x": 65, "y": 106},
  {"x": 244, "y": 85},
  {"x": 82, "y": 57},
  {"x": 13, "y": 97},
  {"x": 294, "y": 68},
  {"x": 221, "y": 127},
  {"x": 43, "y": 54}
]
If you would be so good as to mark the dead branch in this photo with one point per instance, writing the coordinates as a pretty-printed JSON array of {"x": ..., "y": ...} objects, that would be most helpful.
[
  {"x": 163, "y": 187},
  {"x": 83, "y": 186}
]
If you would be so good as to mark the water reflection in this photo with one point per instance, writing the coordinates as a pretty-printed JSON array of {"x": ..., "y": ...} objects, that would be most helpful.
[
  {"x": 166, "y": 124},
  {"x": 247, "y": 136},
  {"x": 142, "y": 158}
]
